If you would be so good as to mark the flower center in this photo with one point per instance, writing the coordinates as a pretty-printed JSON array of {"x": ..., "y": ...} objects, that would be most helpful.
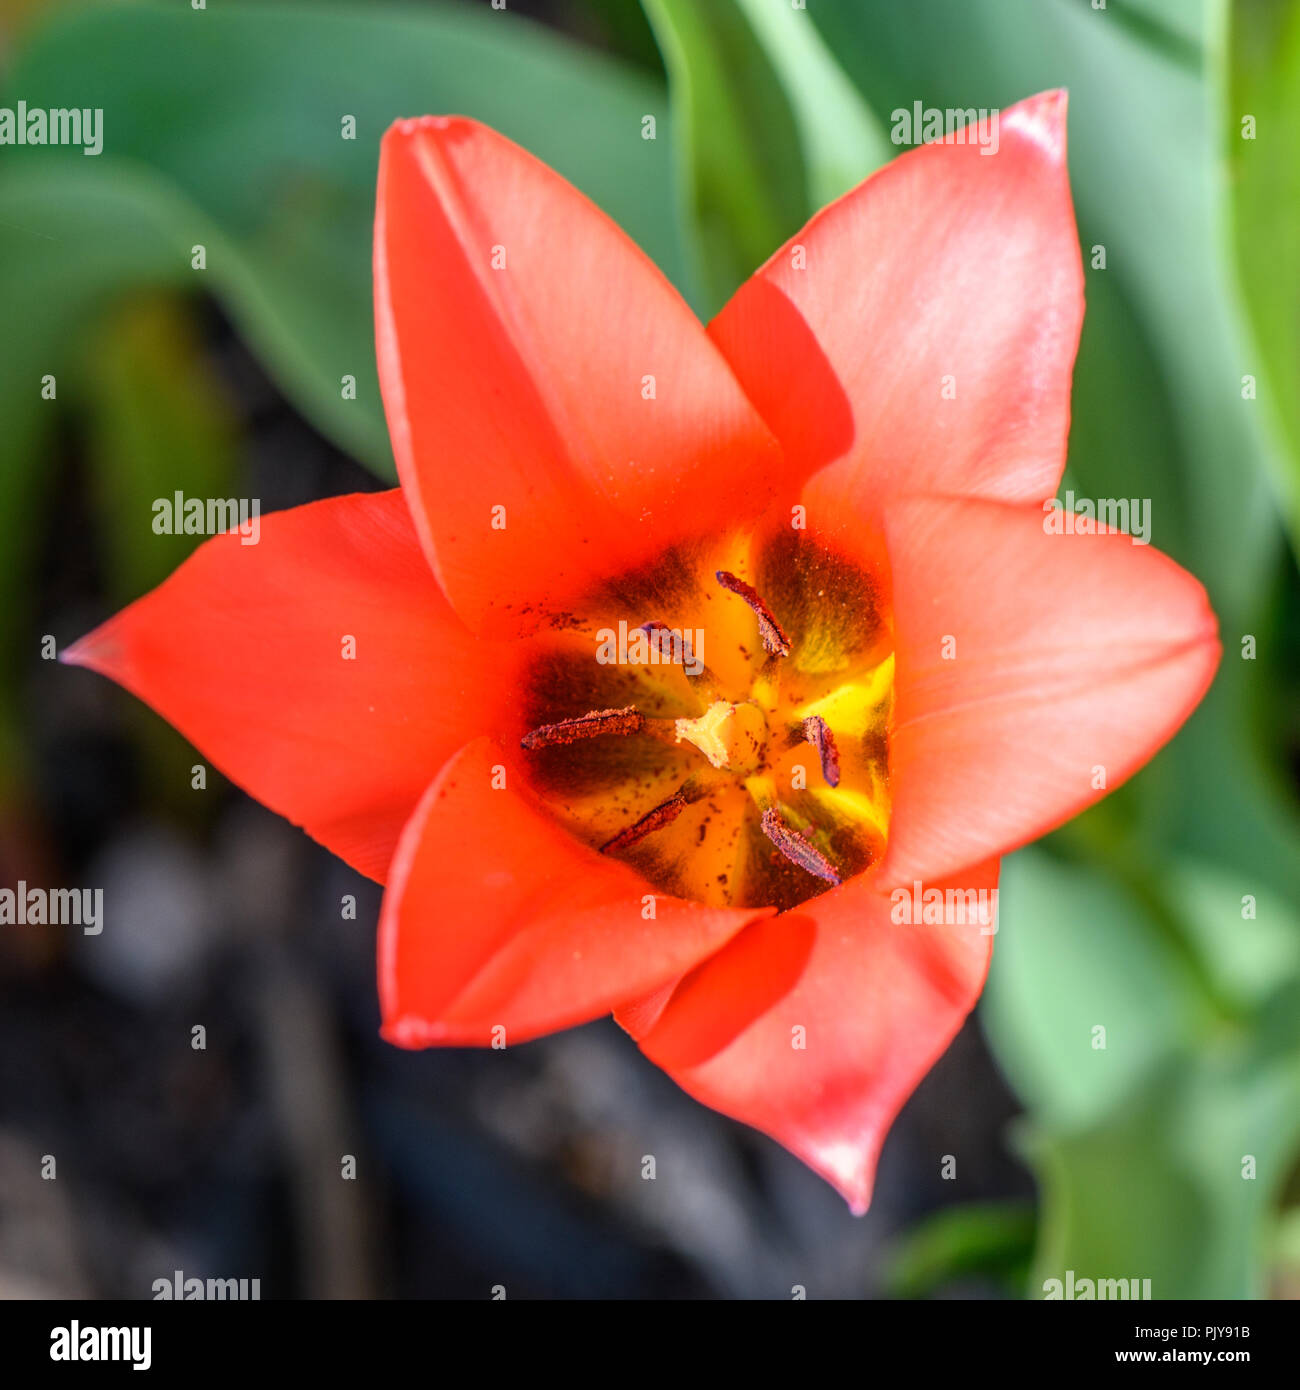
[{"x": 724, "y": 730}]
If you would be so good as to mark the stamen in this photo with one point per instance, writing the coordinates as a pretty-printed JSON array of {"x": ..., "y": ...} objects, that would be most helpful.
[
  {"x": 678, "y": 639},
  {"x": 817, "y": 732},
  {"x": 628, "y": 720},
  {"x": 796, "y": 849},
  {"x": 663, "y": 814},
  {"x": 675, "y": 646},
  {"x": 774, "y": 640}
]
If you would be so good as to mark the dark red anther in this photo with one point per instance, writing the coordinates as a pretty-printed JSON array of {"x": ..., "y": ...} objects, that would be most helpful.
[
  {"x": 796, "y": 849},
  {"x": 817, "y": 732},
  {"x": 672, "y": 645},
  {"x": 628, "y": 720},
  {"x": 663, "y": 814},
  {"x": 774, "y": 640}
]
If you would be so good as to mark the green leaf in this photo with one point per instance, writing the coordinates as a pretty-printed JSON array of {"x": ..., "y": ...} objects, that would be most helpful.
[
  {"x": 1140, "y": 1144},
  {"x": 240, "y": 112},
  {"x": 67, "y": 244},
  {"x": 841, "y": 139},
  {"x": 156, "y": 424},
  {"x": 1075, "y": 953},
  {"x": 742, "y": 171},
  {"x": 1178, "y": 1185},
  {"x": 769, "y": 129},
  {"x": 1263, "y": 187},
  {"x": 1286, "y": 1254},
  {"x": 1171, "y": 25},
  {"x": 990, "y": 1239},
  {"x": 1247, "y": 937}
]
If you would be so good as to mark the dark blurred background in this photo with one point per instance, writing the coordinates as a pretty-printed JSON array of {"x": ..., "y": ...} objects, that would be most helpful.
[{"x": 523, "y": 1168}]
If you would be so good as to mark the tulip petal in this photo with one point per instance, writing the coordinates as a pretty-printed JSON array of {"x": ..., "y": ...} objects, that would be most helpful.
[
  {"x": 533, "y": 360},
  {"x": 1034, "y": 673},
  {"x": 244, "y": 650},
  {"x": 817, "y": 1025},
  {"x": 941, "y": 302},
  {"x": 494, "y": 916}
]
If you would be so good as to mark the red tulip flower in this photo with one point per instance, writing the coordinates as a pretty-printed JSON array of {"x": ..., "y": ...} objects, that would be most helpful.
[{"x": 685, "y": 662}]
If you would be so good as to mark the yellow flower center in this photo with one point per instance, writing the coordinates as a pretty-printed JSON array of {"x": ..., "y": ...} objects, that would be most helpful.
[{"x": 725, "y": 731}]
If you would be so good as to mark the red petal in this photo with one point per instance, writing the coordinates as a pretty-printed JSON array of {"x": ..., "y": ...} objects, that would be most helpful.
[
  {"x": 948, "y": 263},
  {"x": 242, "y": 650},
  {"x": 1069, "y": 653},
  {"x": 877, "y": 1003},
  {"x": 522, "y": 387},
  {"x": 495, "y": 916}
]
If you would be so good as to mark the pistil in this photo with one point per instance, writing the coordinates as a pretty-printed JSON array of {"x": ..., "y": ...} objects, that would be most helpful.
[{"x": 733, "y": 737}]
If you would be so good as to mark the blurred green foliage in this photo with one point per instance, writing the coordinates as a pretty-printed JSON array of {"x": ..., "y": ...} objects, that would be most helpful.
[
  {"x": 155, "y": 418},
  {"x": 223, "y": 129},
  {"x": 991, "y": 1240},
  {"x": 233, "y": 121},
  {"x": 1262, "y": 142},
  {"x": 769, "y": 130}
]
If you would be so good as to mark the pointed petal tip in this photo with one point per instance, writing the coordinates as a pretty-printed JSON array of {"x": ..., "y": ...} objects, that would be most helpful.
[
  {"x": 849, "y": 1167},
  {"x": 411, "y": 128},
  {"x": 96, "y": 651},
  {"x": 412, "y": 1033},
  {"x": 1042, "y": 119},
  {"x": 75, "y": 655},
  {"x": 1055, "y": 101},
  {"x": 856, "y": 1189}
]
